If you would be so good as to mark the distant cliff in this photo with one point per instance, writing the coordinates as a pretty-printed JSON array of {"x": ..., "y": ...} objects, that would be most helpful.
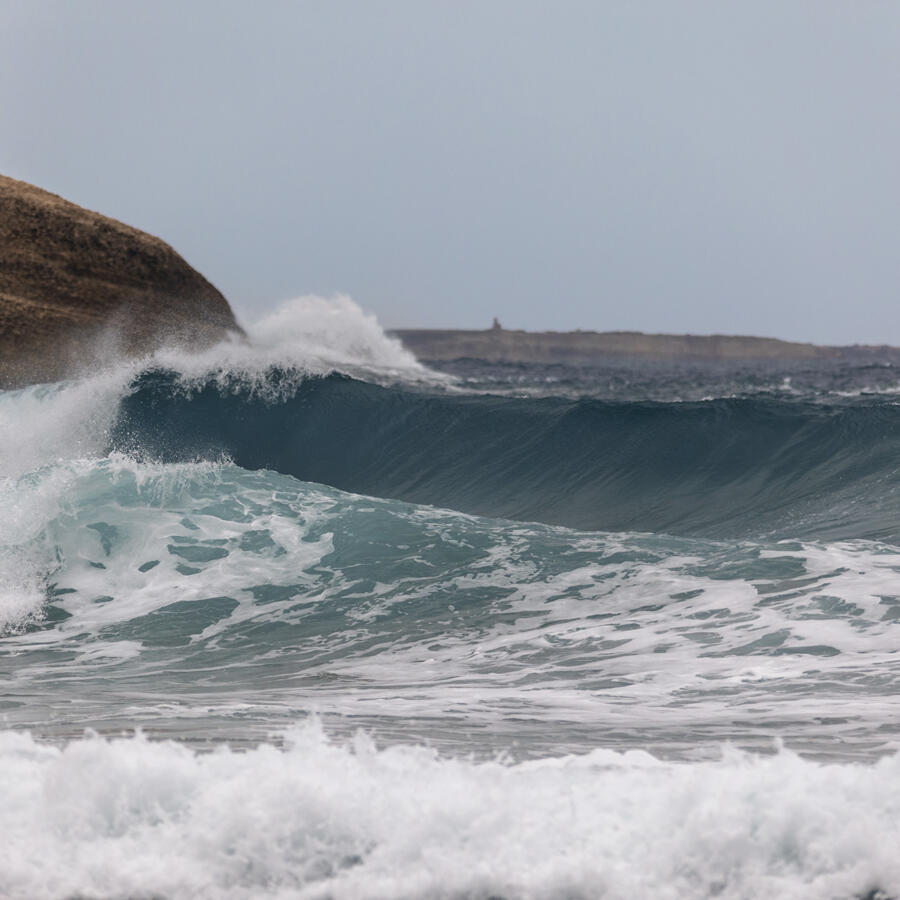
[
  {"x": 586, "y": 347},
  {"x": 70, "y": 277}
]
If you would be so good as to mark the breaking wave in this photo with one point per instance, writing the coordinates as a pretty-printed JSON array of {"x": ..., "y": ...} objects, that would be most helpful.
[
  {"x": 299, "y": 617},
  {"x": 317, "y": 820},
  {"x": 725, "y": 467}
]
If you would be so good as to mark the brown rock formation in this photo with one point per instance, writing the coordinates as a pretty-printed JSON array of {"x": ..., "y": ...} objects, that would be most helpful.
[{"x": 75, "y": 284}]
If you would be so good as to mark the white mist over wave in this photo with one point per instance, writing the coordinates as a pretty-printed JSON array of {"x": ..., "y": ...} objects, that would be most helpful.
[
  {"x": 316, "y": 820},
  {"x": 54, "y": 423},
  {"x": 314, "y": 335},
  {"x": 46, "y": 424},
  {"x": 333, "y": 330},
  {"x": 58, "y": 424}
]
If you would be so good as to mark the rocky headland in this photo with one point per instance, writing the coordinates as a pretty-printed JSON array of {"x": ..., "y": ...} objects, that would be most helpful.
[
  {"x": 77, "y": 287},
  {"x": 501, "y": 345}
]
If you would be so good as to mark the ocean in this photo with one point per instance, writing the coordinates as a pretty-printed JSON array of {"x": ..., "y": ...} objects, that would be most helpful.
[{"x": 301, "y": 617}]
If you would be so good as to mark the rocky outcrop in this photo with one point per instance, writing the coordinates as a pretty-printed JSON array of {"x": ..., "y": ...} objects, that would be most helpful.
[
  {"x": 76, "y": 285},
  {"x": 586, "y": 347}
]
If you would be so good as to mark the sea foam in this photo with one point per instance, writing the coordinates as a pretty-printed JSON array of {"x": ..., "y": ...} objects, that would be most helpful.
[
  {"x": 471, "y": 631},
  {"x": 316, "y": 819}
]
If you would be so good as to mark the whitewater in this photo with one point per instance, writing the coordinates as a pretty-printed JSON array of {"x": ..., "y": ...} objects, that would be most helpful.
[{"x": 302, "y": 617}]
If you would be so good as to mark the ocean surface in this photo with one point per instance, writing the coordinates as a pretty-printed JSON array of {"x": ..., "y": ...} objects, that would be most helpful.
[{"x": 301, "y": 617}]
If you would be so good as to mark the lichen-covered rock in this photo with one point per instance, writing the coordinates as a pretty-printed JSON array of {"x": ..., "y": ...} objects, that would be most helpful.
[{"x": 75, "y": 285}]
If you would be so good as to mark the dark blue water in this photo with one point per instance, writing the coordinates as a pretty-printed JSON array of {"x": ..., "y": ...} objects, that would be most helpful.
[{"x": 761, "y": 464}]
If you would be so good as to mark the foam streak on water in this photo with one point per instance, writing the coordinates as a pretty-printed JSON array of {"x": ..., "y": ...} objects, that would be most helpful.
[{"x": 257, "y": 597}]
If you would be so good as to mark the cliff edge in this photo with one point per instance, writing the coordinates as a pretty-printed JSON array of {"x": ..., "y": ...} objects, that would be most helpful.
[{"x": 75, "y": 284}]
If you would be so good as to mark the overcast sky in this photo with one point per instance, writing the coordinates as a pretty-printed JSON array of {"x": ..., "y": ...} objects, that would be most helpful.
[{"x": 667, "y": 166}]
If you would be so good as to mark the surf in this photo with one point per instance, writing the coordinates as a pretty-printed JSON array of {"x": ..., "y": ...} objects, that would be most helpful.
[
  {"x": 744, "y": 467},
  {"x": 317, "y": 818},
  {"x": 376, "y": 626}
]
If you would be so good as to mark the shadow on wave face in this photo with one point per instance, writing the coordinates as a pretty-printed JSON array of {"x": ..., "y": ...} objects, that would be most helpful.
[{"x": 722, "y": 468}]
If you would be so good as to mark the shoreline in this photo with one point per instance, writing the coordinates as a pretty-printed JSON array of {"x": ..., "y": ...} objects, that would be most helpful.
[{"x": 500, "y": 345}]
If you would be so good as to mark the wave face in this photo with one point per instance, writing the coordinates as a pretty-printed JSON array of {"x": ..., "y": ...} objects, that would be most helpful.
[
  {"x": 302, "y": 618},
  {"x": 730, "y": 467}
]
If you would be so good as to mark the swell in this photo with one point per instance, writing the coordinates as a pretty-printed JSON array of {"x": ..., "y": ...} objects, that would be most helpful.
[{"x": 720, "y": 468}]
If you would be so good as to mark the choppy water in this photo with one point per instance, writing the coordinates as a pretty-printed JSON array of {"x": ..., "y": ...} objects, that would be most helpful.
[{"x": 388, "y": 632}]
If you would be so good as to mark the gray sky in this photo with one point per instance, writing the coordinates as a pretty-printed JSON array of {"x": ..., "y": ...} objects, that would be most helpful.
[{"x": 664, "y": 166}]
